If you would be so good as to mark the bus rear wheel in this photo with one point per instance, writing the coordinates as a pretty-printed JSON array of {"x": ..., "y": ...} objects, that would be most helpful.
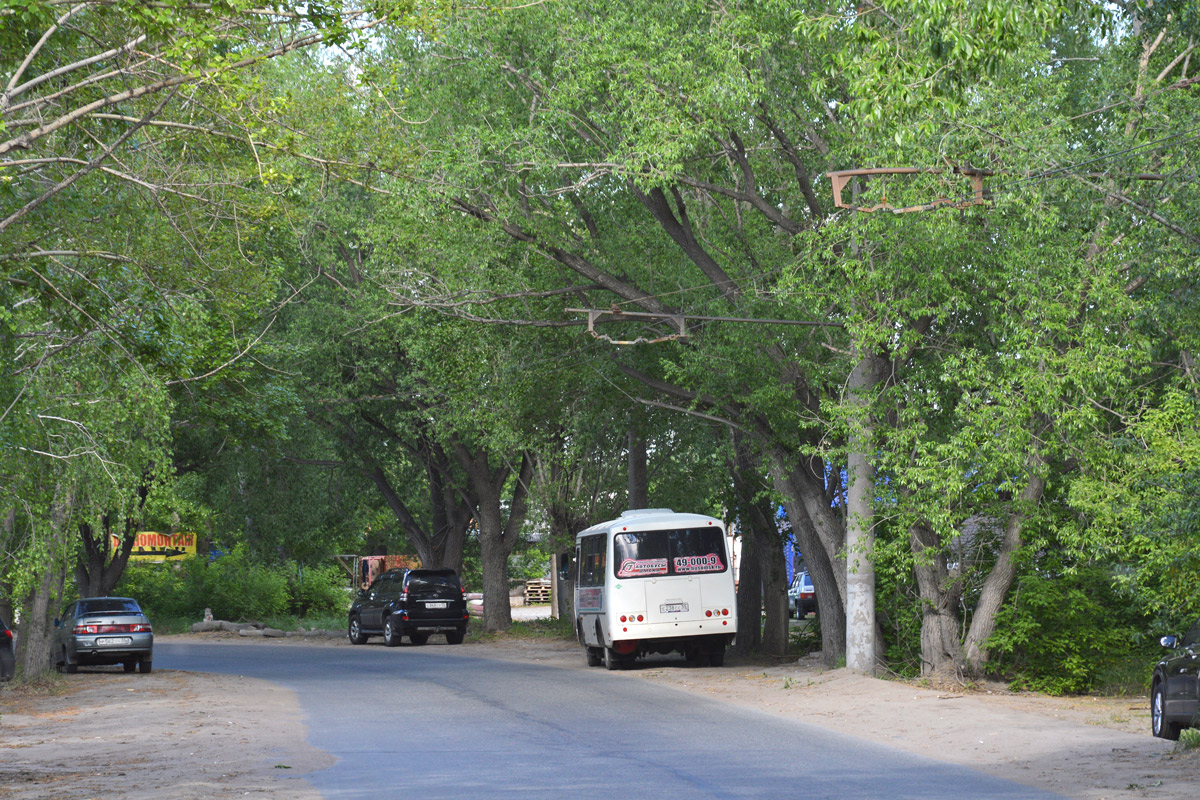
[
  {"x": 614, "y": 660},
  {"x": 595, "y": 655}
]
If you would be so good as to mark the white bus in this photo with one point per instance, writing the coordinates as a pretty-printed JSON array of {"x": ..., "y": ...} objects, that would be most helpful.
[{"x": 654, "y": 581}]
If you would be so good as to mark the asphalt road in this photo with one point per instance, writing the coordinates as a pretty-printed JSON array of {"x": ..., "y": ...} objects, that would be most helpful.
[{"x": 433, "y": 722}]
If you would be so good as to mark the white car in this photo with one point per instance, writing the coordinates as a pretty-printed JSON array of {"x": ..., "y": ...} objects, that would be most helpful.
[{"x": 802, "y": 599}]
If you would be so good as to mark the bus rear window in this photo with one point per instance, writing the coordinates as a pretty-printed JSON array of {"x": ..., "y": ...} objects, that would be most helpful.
[{"x": 686, "y": 551}]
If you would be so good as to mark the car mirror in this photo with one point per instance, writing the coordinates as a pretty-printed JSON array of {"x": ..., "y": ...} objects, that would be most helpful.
[
  {"x": 57, "y": 622},
  {"x": 564, "y": 566},
  {"x": 1168, "y": 641}
]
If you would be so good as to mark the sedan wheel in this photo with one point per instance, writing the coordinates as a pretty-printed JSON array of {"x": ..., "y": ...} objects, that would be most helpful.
[
  {"x": 130, "y": 666},
  {"x": 68, "y": 666},
  {"x": 145, "y": 666}
]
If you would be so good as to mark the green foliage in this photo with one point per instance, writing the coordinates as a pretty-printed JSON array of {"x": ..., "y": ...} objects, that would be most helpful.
[
  {"x": 549, "y": 628},
  {"x": 1061, "y": 632},
  {"x": 895, "y": 57},
  {"x": 898, "y": 609},
  {"x": 1142, "y": 501},
  {"x": 805, "y": 639},
  {"x": 1189, "y": 739},
  {"x": 235, "y": 588},
  {"x": 316, "y": 590},
  {"x": 173, "y": 589}
]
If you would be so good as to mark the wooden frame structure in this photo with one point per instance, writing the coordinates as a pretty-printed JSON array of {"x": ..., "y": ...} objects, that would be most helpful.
[{"x": 841, "y": 177}]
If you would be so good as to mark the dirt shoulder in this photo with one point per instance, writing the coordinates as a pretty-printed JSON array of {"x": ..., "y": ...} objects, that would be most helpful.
[
  {"x": 186, "y": 735},
  {"x": 194, "y": 735}
]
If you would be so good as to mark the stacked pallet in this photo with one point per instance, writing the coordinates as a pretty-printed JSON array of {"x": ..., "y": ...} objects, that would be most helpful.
[{"x": 537, "y": 592}]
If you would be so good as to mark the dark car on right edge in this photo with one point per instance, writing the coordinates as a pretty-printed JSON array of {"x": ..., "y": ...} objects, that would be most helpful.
[
  {"x": 1174, "y": 690},
  {"x": 410, "y": 602},
  {"x": 8, "y": 662}
]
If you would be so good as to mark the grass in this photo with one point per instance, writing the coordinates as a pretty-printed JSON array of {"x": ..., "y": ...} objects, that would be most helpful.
[
  {"x": 328, "y": 621},
  {"x": 1189, "y": 739},
  {"x": 1126, "y": 676},
  {"x": 332, "y": 621},
  {"x": 804, "y": 639},
  {"x": 540, "y": 629}
]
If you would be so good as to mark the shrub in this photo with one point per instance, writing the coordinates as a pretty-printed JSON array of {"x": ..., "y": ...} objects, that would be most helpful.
[
  {"x": 1062, "y": 630},
  {"x": 317, "y": 590},
  {"x": 236, "y": 588},
  {"x": 172, "y": 589}
]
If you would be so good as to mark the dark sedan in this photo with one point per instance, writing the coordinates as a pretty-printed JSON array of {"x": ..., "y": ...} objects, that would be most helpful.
[
  {"x": 8, "y": 663},
  {"x": 103, "y": 630},
  {"x": 1174, "y": 690}
]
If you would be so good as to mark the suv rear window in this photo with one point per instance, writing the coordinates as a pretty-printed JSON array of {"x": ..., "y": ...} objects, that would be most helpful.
[{"x": 434, "y": 584}]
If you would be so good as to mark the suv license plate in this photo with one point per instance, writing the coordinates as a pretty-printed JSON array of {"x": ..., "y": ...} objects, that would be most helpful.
[
  {"x": 672, "y": 608},
  {"x": 435, "y": 605},
  {"x": 111, "y": 640}
]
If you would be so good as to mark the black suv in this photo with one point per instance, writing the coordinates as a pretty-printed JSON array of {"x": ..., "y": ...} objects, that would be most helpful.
[
  {"x": 1175, "y": 686},
  {"x": 412, "y": 603}
]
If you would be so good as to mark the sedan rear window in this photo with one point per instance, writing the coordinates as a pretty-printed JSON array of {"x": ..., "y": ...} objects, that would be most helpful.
[{"x": 109, "y": 605}]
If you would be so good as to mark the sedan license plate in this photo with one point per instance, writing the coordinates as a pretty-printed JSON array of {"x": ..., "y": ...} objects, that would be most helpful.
[
  {"x": 113, "y": 640},
  {"x": 435, "y": 605},
  {"x": 672, "y": 608}
]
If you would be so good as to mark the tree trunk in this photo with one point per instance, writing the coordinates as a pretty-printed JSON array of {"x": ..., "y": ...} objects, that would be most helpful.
[
  {"x": 497, "y": 536},
  {"x": 759, "y": 527},
  {"x": 749, "y": 595},
  {"x": 494, "y": 552},
  {"x": 639, "y": 481},
  {"x": 941, "y": 651},
  {"x": 775, "y": 585},
  {"x": 99, "y": 567},
  {"x": 43, "y": 603},
  {"x": 818, "y": 532},
  {"x": 441, "y": 546},
  {"x": 1000, "y": 579},
  {"x": 860, "y": 518}
]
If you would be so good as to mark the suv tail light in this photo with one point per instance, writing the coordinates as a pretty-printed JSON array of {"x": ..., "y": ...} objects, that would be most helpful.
[{"x": 6, "y": 634}]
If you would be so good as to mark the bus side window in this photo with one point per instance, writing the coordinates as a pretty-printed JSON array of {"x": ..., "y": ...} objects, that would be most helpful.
[{"x": 591, "y": 560}]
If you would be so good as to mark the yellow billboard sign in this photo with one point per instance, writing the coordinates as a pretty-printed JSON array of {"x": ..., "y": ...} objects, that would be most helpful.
[{"x": 151, "y": 546}]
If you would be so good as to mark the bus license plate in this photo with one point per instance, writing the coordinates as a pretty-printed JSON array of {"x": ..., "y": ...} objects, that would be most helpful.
[
  {"x": 672, "y": 608},
  {"x": 435, "y": 605},
  {"x": 113, "y": 640}
]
